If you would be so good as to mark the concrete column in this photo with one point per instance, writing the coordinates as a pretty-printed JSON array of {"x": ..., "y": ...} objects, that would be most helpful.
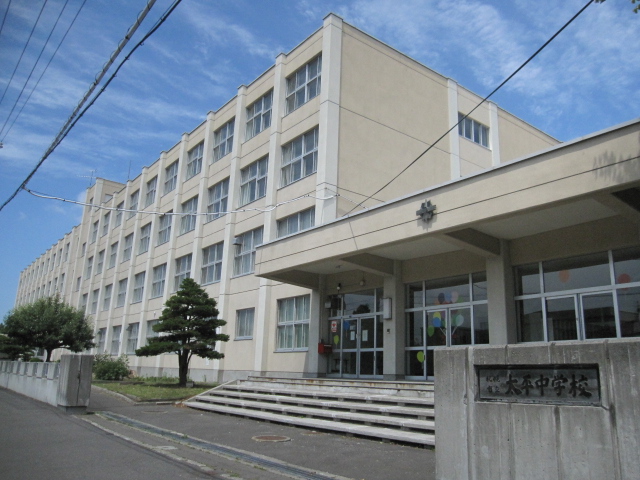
[
  {"x": 500, "y": 293},
  {"x": 394, "y": 328},
  {"x": 494, "y": 135},
  {"x": 454, "y": 137},
  {"x": 316, "y": 364}
]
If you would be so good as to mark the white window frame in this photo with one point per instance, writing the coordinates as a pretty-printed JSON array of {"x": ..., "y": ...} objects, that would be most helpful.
[
  {"x": 159, "y": 276},
  {"x": 294, "y": 315},
  {"x": 218, "y": 200},
  {"x": 189, "y": 209},
  {"x": 100, "y": 263},
  {"x": 245, "y": 254},
  {"x": 150, "y": 333},
  {"x": 115, "y": 339},
  {"x": 127, "y": 248},
  {"x": 259, "y": 115},
  {"x": 171, "y": 177},
  {"x": 132, "y": 337},
  {"x": 95, "y": 295},
  {"x": 194, "y": 160},
  {"x": 183, "y": 270},
  {"x": 145, "y": 238},
  {"x": 299, "y": 158},
  {"x": 89, "y": 267},
  {"x": 119, "y": 209},
  {"x": 122, "y": 292},
  {"x": 304, "y": 84},
  {"x": 297, "y": 222},
  {"x": 211, "y": 271},
  {"x": 473, "y": 130},
  {"x": 223, "y": 140},
  {"x": 106, "y": 301},
  {"x": 164, "y": 227},
  {"x": 94, "y": 234},
  {"x": 134, "y": 198},
  {"x": 113, "y": 254},
  {"x": 244, "y": 323},
  {"x": 253, "y": 181},
  {"x": 101, "y": 338},
  {"x": 150, "y": 195},
  {"x": 138, "y": 287},
  {"x": 106, "y": 218}
]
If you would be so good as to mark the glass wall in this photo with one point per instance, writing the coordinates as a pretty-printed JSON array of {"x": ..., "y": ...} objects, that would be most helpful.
[{"x": 578, "y": 298}]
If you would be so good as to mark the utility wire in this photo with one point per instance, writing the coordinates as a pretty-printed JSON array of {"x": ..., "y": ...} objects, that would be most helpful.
[
  {"x": 23, "y": 50},
  {"x": 35, "y": 64},
  {"x": 6, "y": 12},
  {"x": 70, "y": 124},
  {"x": 460, "y": 120},
  {"x": 44, "y": 71}
]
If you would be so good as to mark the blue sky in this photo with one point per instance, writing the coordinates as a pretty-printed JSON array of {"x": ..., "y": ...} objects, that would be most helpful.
[{"x": 586, "y": 80}]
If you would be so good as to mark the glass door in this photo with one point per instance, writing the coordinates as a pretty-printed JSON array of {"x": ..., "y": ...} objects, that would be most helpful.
[
  {"x": 581, "y": 316},
  {"x": 357, "y": 347}
]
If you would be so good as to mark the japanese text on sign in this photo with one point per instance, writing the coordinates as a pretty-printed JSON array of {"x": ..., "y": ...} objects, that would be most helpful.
[{"x": 553, "y": 384}]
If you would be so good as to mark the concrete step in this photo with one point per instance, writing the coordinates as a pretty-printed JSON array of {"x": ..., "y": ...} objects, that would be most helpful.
[
  {"x": 421, "y": 412},
  {"x": 404, "y": 423},
  {"x": 389, "y": 434}
]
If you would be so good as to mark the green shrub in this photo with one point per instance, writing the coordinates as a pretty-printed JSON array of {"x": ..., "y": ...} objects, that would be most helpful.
[
  {"x": 35, "y": 359},
  {"x": 107, "y": 368}
]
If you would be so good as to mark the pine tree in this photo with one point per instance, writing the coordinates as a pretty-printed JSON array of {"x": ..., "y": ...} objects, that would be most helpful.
[{"x": 188, "y": 326}]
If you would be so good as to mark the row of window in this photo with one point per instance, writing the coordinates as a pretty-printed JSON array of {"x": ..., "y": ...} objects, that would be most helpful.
[{"x": 292, "y": 325}]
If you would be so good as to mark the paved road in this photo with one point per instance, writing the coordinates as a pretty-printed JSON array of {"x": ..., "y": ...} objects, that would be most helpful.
[{"x": 122, "y": 440}]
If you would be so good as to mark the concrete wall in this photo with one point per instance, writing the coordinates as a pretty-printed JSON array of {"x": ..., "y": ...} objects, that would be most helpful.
[
  {"x": 480, "y": 439},
  {"x": 66, "y": 385}
]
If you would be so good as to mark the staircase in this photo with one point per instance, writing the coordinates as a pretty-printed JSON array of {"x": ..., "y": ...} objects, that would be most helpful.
[{"x": 389, "y": 411}]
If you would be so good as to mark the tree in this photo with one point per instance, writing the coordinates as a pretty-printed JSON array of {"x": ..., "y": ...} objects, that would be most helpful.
[
  {"x": 636, "y": 8},
  {"x": 47, "y": 323},
  {"x": 190, "y": 326}
]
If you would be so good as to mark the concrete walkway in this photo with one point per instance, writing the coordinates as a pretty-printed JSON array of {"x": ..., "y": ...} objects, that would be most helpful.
[{"x": 143, "y": 441}]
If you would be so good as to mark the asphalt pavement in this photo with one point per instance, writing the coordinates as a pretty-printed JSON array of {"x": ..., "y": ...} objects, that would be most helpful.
[{"x": 120, "y": 439}]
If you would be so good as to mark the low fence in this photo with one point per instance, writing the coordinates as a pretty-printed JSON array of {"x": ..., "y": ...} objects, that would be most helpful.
[
  {"x": 558, "y": 411},
  {"x": 66, "y": 385}
]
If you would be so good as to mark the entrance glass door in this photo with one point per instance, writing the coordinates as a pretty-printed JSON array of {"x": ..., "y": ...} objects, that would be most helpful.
[
  {"x": 581, "y": 316},
  {"x": 357, "y": 347}
]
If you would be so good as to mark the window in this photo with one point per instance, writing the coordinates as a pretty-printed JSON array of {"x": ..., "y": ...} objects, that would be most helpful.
[
  {"x": 150, "y": 196},
  {"x": 122, "y": 292},
  {"x": 101, "y": 339},
  {"x": 183, "y": 270},
  {"x": 218, "y": 195},
  {"x": 106, "y": 301},
  {"x": 78, "y": 282},
  {"x": 211, "y": 263},
  {"x": 94, "y": 301},
  {"x": 474, "y": 131},
  {"x": 293, "y": 323},
  {"x": 296, "y": 222},
  {"x": 94, "y": 232},
  {"x": 300, "y": 157},
  {"x": 87, "y": 273},
  {"x": 188, "y": 217},
  {"x": 150, "y": 332},
  {"x": 138, "y": 287},
  {"x": 245, "y": 256},
  {"x": 128, "y": 247},
  {"x": 67, "y": 247},
  {"x": 119, "y": 209},
  {"x": 253, "y": 181},
  {"x": 145, "y": 236},
  {"x": 62, "y": 283},
  {"x": 259, "y": 115},
  {"x": 115, "y": 339},
  {"x": 157, "y": 285},
  {"x": 133, "y": 203},
  {"x": 100, "y": 264},
  {"x": 194, "y": 160},
  {"x": 244, "y": 324},
  {"x": 164, "y": 228},
  {"x": 83, "y": 301},
  {"x": 304, "y": 85},
  {"x": 105, "y": 223},
  {"x": 132, "y": 337},
  {"x": 223, "y": 140},
  {"x": 170, "y": 177},
  {"x": 113, "y": 254}
]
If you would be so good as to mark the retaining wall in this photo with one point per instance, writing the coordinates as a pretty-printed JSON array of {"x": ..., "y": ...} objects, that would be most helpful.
[
  {"x": 558, "y": 411},
  {"x": 66, "y": 385}
]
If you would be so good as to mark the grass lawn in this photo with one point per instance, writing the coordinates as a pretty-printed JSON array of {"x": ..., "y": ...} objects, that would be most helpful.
[{"x": 147, "y": 389}]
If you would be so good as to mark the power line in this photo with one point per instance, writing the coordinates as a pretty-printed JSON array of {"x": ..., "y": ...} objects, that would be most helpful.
[
  {"x": 23, "y": 50},
  {"x": 461, "y": 119},
  {"x": 6, "y": 12},
  {"x": 45, "y": 70},
  {"x": 71, "y": 123},
  {"x": 35, "y": 64}
]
